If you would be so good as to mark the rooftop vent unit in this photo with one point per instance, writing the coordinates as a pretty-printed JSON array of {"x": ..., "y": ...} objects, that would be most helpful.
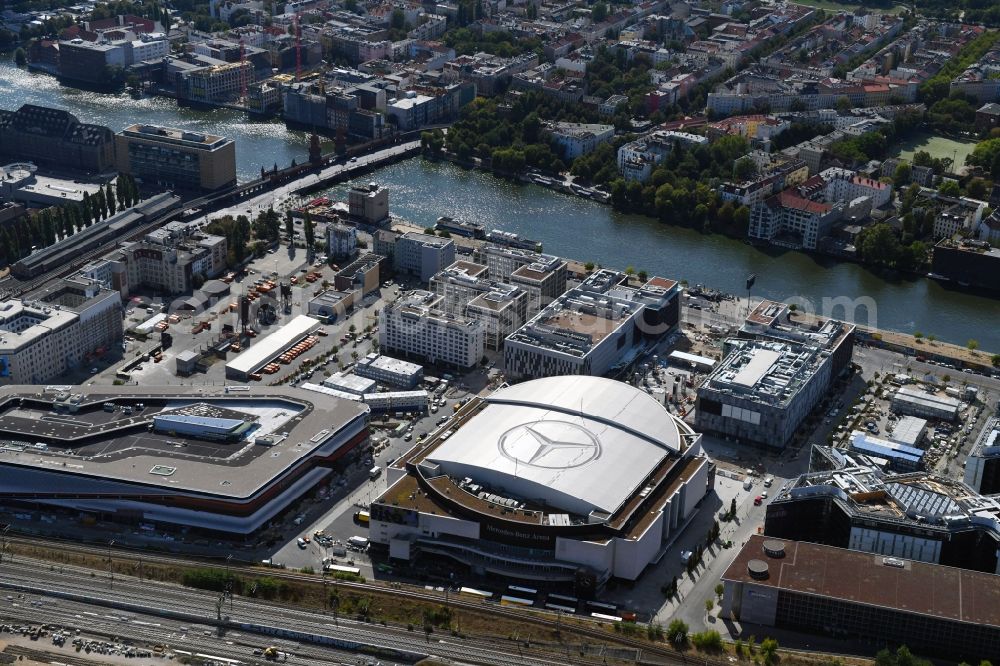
[
  {"x": 774, "y": 548},
  {"x": 758, "y": 569}
]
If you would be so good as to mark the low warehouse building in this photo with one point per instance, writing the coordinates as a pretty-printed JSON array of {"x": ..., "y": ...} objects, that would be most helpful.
[
  {"x": 267, "y": 349},
  {"x": 847, "y": 595}
]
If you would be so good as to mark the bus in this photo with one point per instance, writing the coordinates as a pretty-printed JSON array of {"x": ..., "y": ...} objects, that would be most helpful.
[
  {"x": 507, "y": 600},
  {"x": 605, "y": 618},
  {"x": 473, "y": 593},
  {"x": 523, "y": 591},
  {"x": 339, "y": 568},
  {"x": 560, "y": 608},
  {"x": 600, "y": 607}
]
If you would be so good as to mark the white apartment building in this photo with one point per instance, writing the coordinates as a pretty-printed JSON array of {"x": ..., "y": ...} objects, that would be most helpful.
[
  {"x": 57, "y": 328},
  {"x": 788, "y": 220},
  {"x": 503, "y": 261},
  {"x": 417, "y": 326},
  {"x": 636, "y": 160},
  {"x": 576, "y": 139},
  {"x": 171, "y": 267},
  {"x": 846, "y": 185},
  {"x": 965, "y": 215},
  {"x": 341, "y": 240},
  {"x": 501, "y": 310},
  {"x": 465, "y": 290},
  {"x": 219, "y": 82},
  {"x": 422, "y": 254},
  {"x": 151, "y": 46}
]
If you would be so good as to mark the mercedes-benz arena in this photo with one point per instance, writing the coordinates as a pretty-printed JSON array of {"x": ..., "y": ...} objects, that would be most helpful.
[
  {"x": 224, "y": 460},
  {"x": 563, "y": 479}
]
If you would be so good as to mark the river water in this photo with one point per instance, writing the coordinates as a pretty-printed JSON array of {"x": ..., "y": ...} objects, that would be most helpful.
[
  {"x": 259, "y": 143},
  {"x": 569, "y": 226}
]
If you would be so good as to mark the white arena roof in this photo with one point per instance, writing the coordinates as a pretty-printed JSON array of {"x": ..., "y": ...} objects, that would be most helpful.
[{"x": 579, "y": 444}]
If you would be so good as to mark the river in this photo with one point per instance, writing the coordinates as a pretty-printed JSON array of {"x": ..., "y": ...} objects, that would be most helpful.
[
  {"x": 259, "y": 143},
  {"x": 569, "y": 226},
  {"x": 421, "y": 191}
]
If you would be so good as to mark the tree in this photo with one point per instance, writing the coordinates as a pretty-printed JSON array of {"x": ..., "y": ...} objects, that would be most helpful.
[
  {"x": 20, "y": 57},
  {"x": 709, "y": 605},
  {"x": 309, "y": 230},
  {"x": 398, "y": 20},
  {"x": 744, "y": 169},
  {"x": 768, "y": 651},
  {"x": 950, "y": 188},
  {"x": 995, "y": 360},
  {"x": 878, "y": 245},
  {"x": 732, "y": 508},
  {"x": 289, "y": 226},
  {"x": 530, "y": 128},
  {"x": 977, "y": 188},
  {"x": 719, "y": 589},
  {"x": 901, "y": 176},
  {"x": 109, "y": 199},
  {"x": 88, "y": 209},
  {"x": 677, "y": 632},
  {"x": 973, "y": 345},
  {"x": 599, "y": 12}
]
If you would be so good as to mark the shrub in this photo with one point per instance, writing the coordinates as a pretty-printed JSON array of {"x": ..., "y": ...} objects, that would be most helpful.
[
  {"x": 707, "y": 641},
  {"x": 677, "y": 632}
]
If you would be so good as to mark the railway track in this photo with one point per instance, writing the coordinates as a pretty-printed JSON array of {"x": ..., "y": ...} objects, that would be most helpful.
[{"x": 645, "y": 649}]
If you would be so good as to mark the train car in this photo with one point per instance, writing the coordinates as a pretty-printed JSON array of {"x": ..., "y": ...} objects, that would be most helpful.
[
  {"x": 563, "y": 600},
  {"x": 473, "y": 593},
  {"x": 605, "y": 618},
  {"x": 601, "y": 607},
  {"x": 507, "y": 600},
  {"x": 523, "y": 591},
  {"x": 339, "y": 568},
  {"x": 560, "y": 608}
]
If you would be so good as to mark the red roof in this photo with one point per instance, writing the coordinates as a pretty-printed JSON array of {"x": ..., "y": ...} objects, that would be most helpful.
[{"x": 787, "y": 199}]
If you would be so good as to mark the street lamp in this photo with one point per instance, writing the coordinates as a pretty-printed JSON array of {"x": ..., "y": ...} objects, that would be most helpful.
[
  {"x": 229, "y": 583},
  {"x": 111, "y": 569}
]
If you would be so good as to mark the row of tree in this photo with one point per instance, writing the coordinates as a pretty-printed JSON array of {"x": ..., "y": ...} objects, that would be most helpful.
[{"x": 47, "y": 226}]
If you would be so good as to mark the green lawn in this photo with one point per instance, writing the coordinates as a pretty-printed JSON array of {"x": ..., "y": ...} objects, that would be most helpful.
[{"x": 937, "y": 146}]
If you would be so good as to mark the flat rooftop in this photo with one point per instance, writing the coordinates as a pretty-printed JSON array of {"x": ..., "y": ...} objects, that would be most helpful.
[
  {"x": 920, "y": 498},
  {"x": 66, "y": 430},
  {"x": 269, "y": 347},
  {"x": 390, "y": 364},
  {"x": 764, "y": 371},
  {"x": 891, "y": 583},
  {"x": 910, "y": 394},
  {"x": 580, "y": 319},
  {"x": 176, "y": 136}
]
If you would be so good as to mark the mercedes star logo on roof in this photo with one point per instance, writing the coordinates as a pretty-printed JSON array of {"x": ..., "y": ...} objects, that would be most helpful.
[{"x": 549, "y": 444}]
